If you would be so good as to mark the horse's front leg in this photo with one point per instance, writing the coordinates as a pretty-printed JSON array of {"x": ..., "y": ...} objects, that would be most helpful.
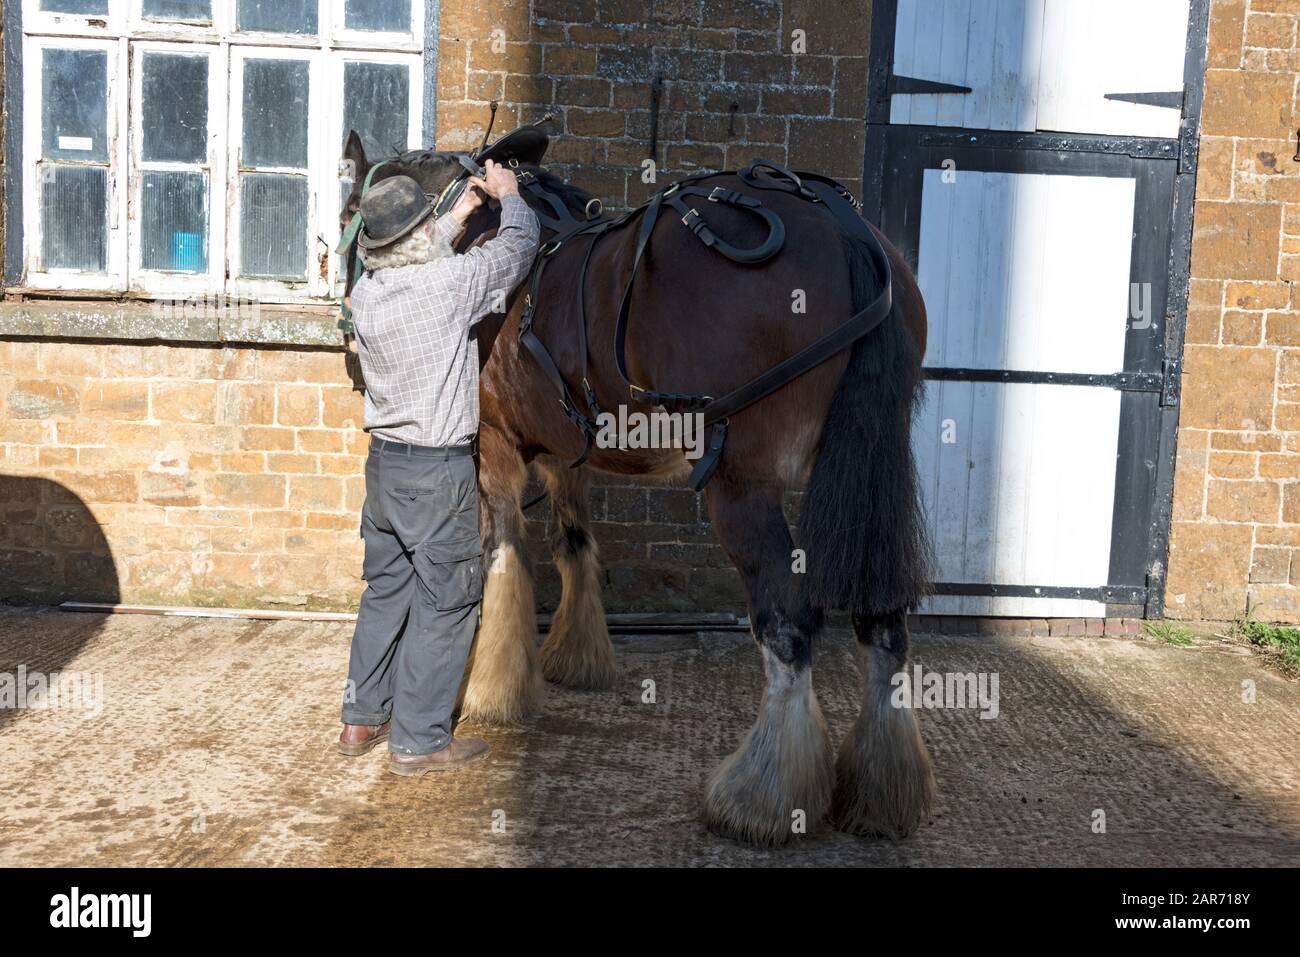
[
  {"x": 577, "y": 652},
  {"x": 503, "y": 682}
]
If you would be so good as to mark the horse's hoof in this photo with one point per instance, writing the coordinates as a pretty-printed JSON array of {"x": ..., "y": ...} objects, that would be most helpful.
[
  {"x": 777, "y": 785},
  {"x": 588, "y": 667},
  {"x": 884, "y": 785}
]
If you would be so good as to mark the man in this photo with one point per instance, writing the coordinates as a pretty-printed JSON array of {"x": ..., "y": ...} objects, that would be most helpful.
[{"x": 413, "y": 309}]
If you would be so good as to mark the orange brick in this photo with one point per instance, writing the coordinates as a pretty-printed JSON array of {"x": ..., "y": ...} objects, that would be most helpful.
[
  {"x": 349, "y": 523},
  {"x": 247, "y": 462},
  {"x": 42, "y": 399},
  {"x": 1246, "y": 501},
  {"x": 262, "y": 491},
  {"x": 207, "y": 517},
  {"x": 321, "y": 440},
  {"x": 71, "y": 358},
  {"x": 297, "y": 405},
  {"x": 1267, "y": 30},
  {"x": 1232, "y": 465},
  {"x": 267, "y": 439},
  {"x": 279, "y": 518},
  {"x": 54, "y": 455},
  {"x": 100, "y": 486},
  {"x": 1279, "y": 466},
  {"x": 292, "y": 462},
  {"x": 1259, "y": 295},
  {"x": 342, "y": 465},
  {"x": 324, "y": 492},
  {"x": 247, "y": 540},
  {"x": 116, "y": 400},
  {"x": 183, "y": 401},
  {"x": 245, "y": 403},
  {"x": 342, "y": 408},
  {"x": 1242, "y": 328}
]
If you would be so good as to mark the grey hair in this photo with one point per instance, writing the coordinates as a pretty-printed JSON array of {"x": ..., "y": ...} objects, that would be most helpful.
[{"x": 424, "y": 244}]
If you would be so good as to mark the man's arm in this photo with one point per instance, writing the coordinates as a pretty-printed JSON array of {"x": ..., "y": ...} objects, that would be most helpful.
[{"x": 488, "y": 273}]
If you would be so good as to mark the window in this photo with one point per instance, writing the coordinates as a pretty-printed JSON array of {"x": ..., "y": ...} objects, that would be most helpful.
[{"x": 193, "y": 146}]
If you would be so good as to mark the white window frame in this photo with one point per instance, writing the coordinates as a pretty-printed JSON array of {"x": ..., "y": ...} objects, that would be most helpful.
[
  {"x": 127, "y": 35},
  {"x": 115, "y": 195},
  {"x": 146, "y": 280}
]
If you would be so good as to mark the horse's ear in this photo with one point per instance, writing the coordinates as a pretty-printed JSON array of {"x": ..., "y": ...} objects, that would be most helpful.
[{"x": 354, "y": 152}]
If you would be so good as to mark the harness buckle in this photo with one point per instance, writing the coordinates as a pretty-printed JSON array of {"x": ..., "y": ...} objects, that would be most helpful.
[
  {"x": 550, "y": 247},
  {"x": 686, "y": 220}
]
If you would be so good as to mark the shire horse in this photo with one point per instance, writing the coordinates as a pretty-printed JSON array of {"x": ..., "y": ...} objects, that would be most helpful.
[{"x": 840, "y": 431}]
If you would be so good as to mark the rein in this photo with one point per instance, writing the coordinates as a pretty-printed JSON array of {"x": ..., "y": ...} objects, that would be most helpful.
[
  {"x": 444, "y": 201},
  {"x": 716, "y": 411}
]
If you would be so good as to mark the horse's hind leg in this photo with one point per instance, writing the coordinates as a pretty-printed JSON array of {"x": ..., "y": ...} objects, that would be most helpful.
[
  {"x": 577, "y": 652},
  {"x": 503, "y": 681},
  {"x": 883, "y": 784},
  {"x": 781, "y": 774}
]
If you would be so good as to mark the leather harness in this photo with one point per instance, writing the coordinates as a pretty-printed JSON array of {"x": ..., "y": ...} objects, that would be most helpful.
[
  {"x": 716, "y": 411},
  {"x": 566, "y": 227}
]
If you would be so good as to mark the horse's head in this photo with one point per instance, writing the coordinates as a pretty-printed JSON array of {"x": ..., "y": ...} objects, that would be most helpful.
[
  {"x": 439, "y": 172},
  {"x": 434, "y": 171}
]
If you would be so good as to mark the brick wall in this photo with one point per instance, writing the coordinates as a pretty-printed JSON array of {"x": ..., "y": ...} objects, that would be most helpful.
[
  {"x": 1237, "y": 487},
  {"x": 179, "y": 475},
  {"x": 591, "y": 63}
]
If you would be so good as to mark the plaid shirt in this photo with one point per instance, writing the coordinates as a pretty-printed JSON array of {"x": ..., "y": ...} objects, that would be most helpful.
[{"x": 413, "y": 331}]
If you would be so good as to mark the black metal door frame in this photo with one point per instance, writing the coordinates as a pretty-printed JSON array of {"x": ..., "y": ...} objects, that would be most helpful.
[{"x": 1165, "y": 175}]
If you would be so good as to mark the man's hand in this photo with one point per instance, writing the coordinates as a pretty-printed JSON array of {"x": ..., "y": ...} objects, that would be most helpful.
[
  {"x": 497, "y": 182},
  {"x": 471, "y": 199}
]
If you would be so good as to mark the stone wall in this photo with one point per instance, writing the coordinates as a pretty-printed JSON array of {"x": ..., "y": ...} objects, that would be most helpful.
[{"x": 1237, "y": 486}]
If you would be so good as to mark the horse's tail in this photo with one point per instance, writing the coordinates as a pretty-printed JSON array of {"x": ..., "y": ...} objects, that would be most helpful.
[{"x": 861, "y": 525}]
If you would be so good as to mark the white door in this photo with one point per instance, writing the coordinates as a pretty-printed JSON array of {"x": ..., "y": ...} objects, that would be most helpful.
[
  {"x": 1077, "y": 66},
  {"x": 1027, "y": 156}
]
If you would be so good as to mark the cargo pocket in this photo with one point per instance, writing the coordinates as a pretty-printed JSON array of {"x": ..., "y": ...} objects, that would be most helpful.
[{"x": 452, "y": 571}]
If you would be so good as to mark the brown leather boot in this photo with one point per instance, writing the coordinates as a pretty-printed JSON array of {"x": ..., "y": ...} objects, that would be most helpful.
[
  {"x": 359, "y": 739},
  {"x": 460, "y": 752}
]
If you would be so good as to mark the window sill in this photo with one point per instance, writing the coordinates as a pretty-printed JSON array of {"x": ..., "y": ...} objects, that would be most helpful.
[{"x": 143, "y": 321}]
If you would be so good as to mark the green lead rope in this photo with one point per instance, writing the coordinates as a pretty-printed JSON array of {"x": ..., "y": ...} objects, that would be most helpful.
[{"x": 346, "y": 241}]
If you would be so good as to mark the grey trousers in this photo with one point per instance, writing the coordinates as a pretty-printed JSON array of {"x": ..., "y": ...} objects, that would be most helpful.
[{"x": 424, "y": 579}]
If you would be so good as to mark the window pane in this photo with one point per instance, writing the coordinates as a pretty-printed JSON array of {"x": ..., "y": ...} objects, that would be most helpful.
[
  {"x": 74, "y": 217},
  {"x": 273, "y": 233},
  {"x": 75, "y": 6},
  {"x": 386, "y": 16},
  {"x": 275, "y": 113},
  {"x": 376, "y": 100},
  {"x": 196, "y": 11},
  {"x": 74, "y": 104},
  {"x": 174, "y": 221},
  {"x": 175, "y": 109},
  {"x": 278, "y": 16}
]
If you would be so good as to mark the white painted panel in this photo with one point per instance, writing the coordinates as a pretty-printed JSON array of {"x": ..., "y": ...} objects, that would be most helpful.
[
  {"x": 1018, "y": 484},
  {"x": 1041, "y": 64},
  {"x": 1026, "y": 271},
  {"x": 1111, "y": 46}
]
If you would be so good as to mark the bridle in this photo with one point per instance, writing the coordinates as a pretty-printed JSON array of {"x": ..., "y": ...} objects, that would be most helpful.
[{"x": 441, "y": 203}]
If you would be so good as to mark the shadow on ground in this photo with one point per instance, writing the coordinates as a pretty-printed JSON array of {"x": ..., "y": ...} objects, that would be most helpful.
[
  {"x": 51, "y": 549},
  {"x": 215, "y": 747}
]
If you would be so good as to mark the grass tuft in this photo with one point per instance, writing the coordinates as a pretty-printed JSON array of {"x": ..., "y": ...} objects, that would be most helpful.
[
  {"x": 1281, "y": 639},
  {"x": 1169, "y": 632}
]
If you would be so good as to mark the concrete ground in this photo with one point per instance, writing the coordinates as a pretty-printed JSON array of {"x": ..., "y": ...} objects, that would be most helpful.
[{"x": 215, "y": 747}]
